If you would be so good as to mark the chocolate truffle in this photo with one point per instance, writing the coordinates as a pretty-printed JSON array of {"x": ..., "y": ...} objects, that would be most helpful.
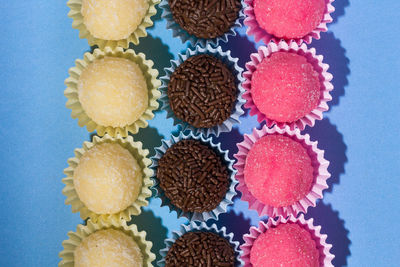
[
  {"x": 286, "y": 245},
  {"x": 195, "y": 249},
  {"x": 113, "y": 91},
  {"x": 202, "y": 91},
  {"x": 113, "y": 20},
  {"x": 193, "y": 177},
  {"x": 205, "y": 18},
  {"x": 108, "y": 178},
  {"x": 289, "y": 18},
  {"x": 285, "y": 87},
  {"x": 108, "y": 248},
  {"x": 278, "y": 171}
]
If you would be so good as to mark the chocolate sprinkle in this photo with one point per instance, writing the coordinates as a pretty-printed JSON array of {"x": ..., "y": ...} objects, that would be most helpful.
[
  {"x": 205, "y": 18},
  {"x": 202, "y": 91},
  {"x": 193, "y": 177},
  {"x": 200, "y": 249}
]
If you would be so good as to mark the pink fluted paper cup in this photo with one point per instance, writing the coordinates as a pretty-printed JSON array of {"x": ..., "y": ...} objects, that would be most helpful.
[
  {"x": 316, "y": 60},
  {"x": 318, "y": 161},
  {"x": 325, "y": 258},
  {"x": 254, "y": 29}
]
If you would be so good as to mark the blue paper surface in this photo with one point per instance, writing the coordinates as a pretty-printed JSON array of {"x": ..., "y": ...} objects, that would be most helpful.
[{"x": 360, "y": 133}]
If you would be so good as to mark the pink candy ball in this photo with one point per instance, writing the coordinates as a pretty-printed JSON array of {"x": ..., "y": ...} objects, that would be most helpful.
[
  {"x": 289, "y": 18},
  {"x": 285, "y": 87},
  {"x": 286, "y": 245},
  {"x": 278, "y": 171}
]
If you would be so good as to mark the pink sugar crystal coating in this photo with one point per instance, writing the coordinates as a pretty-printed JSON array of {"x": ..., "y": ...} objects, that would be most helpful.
[
  {"x": 289, "y": 18},
  {"x": 285, "y": 87},
  {"x": 286, "y": 245},
  {"x": 278, "y": 171}
]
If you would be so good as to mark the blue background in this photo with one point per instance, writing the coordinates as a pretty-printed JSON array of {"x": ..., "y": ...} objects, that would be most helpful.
[{"x": 360, "y": 132}]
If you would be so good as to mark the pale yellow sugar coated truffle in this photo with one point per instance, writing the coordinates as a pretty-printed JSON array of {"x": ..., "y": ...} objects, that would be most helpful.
[
  {"x": 113, "y": 92},
  {"x": 113, "y": 19},
  {"x": 108, "y": 178},
  {"x": 108, "y": 248}
]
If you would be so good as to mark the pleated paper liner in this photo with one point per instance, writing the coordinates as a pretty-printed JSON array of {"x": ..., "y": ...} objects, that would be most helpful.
[
  {"x": 232, "y": 65},
  {"x": 79, "y": 113},
  {"x": 254, "y": 29},
  {"x": 140, "y": 154},
  {"x": 201, "y": 227},
  {"x": 83, "y": 231},
  {"x": 76, "y": 14},
  {"x": 318, "y": 161},
  {"x": 178, "y": 31},
  {"x": 195, "y": 216},
  {"x": 316, "y": 60},
  {"x": 326, "y": 256}
]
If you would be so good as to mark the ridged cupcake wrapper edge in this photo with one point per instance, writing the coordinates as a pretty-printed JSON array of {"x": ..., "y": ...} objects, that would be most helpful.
[
  {"x": 140, "y": 154},
  {"x": 83, "y": 231},
  {"x": 197, "y": 227},
  {"x": 318, "y": 161},
  {"x": 326, "y": 256},
  {"x": 73, "y": 103},
  {"x": 254, "y": 29},
  {"x": 178, "y": 31},
  {"x": 316, "y": 60},
  {"x": 76, "y": 14},
  {"x": 231, "y": 63},
  {"x": 195, "y": 216}
]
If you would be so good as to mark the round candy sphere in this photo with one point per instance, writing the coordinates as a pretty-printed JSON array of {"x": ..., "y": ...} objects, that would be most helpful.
[
  {"x": 278, "y": 171},
  {"x": 286, "y": 245},
  {"x": 113, "y": 91},
  {"x": 108, "y": 178},
  {"x": 108, "y": 248},
  {"x": 285, "y": 87},
  {"x": 113, "y": 20},
  {"x": 289, "y": 19}
]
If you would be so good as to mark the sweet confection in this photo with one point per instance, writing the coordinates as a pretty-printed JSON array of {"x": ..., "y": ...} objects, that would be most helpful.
[
  {"x": 285, "y": 245},
  {"x": 113, "y": 91},
  {"x": 200, "y": 249},
  {"x": 278, "y": 171},
  {"x": 113, "y": 20},
  {"x": 108, "y": 178},
  {"x": 108, "y": 248},
  {"x": 289, "y": 19},
  {"x": 202, "y": 91},
  {"x": 285, "y": 87},
  {"x": 203, "y": 18},
  {"x": 193, "y": 177}
]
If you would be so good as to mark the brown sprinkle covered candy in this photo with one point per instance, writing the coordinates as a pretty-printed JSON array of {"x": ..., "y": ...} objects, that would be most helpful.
[
  {"x": 205, "y": 18},
  {"x": 200, "y": 249},
  {"x": 202, "y": 91},
  {"x": 193, "y": 177}
]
